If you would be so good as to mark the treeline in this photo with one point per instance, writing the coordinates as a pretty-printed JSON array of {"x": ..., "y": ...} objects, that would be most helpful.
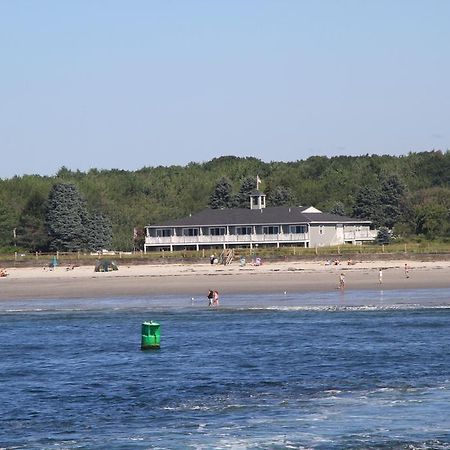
[{"x": 408, "y": 194}]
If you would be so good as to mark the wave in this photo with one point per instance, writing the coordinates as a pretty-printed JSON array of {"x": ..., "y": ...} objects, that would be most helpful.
[
  {"x": 237, "y": 309},
  {"x": 343, "y": 308},
  {"x": 365, "y": 301}
]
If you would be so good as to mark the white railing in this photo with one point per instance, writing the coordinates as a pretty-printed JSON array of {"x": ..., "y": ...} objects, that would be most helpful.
[
  {"x": 227, "y": 239},
  {"x": 363, "y": 234}
]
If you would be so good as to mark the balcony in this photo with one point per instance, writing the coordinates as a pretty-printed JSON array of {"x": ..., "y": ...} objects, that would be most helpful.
[
  {"x": 363, "y": 235},
  {"x": 228, "y": 239}
]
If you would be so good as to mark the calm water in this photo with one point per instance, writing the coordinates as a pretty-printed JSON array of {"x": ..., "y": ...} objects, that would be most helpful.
[{"x": 363, "y": 370}]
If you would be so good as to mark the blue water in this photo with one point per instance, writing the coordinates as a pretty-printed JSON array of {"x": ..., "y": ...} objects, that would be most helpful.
[{"x": 360, "y": 370}]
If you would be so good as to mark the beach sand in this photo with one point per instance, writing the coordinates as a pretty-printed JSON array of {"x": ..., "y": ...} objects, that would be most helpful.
[{"x": 197, "y": 279}]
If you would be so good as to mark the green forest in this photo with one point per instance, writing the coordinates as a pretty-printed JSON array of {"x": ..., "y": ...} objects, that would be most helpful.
[{"x": 74, "y": 210}]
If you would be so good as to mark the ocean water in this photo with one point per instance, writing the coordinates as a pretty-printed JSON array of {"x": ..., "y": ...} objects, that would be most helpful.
[{"x": 359, "y": 370}]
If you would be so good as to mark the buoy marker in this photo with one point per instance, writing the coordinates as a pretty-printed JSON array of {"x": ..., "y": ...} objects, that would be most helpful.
[{"x": 150, "y": 335}]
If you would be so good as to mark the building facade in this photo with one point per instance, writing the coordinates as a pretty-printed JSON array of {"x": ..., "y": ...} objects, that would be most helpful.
[{"x": 257, "y": 226}]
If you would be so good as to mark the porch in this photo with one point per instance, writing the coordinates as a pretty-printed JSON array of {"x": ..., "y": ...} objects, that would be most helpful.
[
  {"x": 226, "y": 240},
  {"x": 360, "y": 236}
]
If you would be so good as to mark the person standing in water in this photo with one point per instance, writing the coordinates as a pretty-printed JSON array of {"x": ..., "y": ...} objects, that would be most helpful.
[
  {"x": 215, "y": 298},
  {"x": 342, "y": 281},
  {"x": 210, "y": 297},
  {"x": 380, "y": 276}
]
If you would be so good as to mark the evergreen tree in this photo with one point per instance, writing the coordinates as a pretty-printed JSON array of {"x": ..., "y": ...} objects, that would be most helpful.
[
  {"x": 66, "y": 216},
  {"x": 31, "y": 231},
  {"x": 248, "y": 186},
  {"x": 71, "y": 226},
  {"x": 383, "y": 206},
  {"x": 222, "y": 196},
  {"x": 368, "y": 206},
  {"x": 391, "y": 197},
  {"x": 98, "y": 232},
  {"x": 281, "y": 196},
  {"x": 383, "y": 236}
]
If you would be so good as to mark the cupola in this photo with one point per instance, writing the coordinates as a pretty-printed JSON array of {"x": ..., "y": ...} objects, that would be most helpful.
[{"x": 257, "y": 200}]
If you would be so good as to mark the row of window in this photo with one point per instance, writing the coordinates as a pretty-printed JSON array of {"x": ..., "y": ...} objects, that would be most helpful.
[{"x": 220, "y": 231}]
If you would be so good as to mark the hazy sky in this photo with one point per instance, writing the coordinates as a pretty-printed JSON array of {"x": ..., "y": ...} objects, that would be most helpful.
[{"x": 127, "y": 84}]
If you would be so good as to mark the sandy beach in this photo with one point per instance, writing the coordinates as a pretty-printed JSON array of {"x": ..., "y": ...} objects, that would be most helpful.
[{"x": 196, "y": 279}]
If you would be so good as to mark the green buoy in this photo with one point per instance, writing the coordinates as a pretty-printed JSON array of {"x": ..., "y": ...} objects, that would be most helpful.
[{"x": 151, "y": 335}]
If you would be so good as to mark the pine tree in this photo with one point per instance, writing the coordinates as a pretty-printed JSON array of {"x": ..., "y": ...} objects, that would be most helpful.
[
  {"x": 248, "y": 186},
  {"x": 383, "y": 236},
  {"x": 71, "y": 226},
  {"x": 368, "y": 205},
  {"x": 98, "y": 232},
  {"x": 66, "y": 217},
  {"x": 391, "y": 197},
  {"x": 222, "y": 196}
]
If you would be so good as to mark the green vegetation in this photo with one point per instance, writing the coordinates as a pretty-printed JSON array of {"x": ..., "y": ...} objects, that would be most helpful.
[
  {"x": 409, "y": 195},
  {"x": 408, "y": 250}
]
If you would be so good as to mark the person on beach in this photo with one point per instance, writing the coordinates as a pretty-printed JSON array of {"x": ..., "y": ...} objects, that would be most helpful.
[
  {"x": 380, "y": 276},
  {"x": 212, "y": 258},
  {"x": 210, "y": 297},
  {"x": 341, "y": 281},
  {"x": 406, "y": 270},
  {"x": 216, "y": 298}
]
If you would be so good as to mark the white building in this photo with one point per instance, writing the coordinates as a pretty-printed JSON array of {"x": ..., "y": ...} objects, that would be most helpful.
[{"x": 257, "y": 226}]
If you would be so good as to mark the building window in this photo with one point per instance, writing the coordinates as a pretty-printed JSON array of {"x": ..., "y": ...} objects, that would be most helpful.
[
  {"x": 298, "y": 229},
  {"x": 218, "y": 231},
  {"x": 321, "y": 229},
  {"x": 243, "y": 230},
  {"x": 270, "y": 230},
  {"x": 190, "y": 232},
  {"x": 163, "y": 232}
]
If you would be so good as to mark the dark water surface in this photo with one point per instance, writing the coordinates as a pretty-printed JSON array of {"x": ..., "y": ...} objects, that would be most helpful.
[{"x": 366, "y": 370}]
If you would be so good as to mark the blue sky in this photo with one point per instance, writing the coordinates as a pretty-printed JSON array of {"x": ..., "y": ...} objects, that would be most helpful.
[{"x": 127, "y": 84}]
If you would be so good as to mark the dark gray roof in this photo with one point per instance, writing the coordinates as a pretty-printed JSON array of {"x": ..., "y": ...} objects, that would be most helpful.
[{"x": 246, "y": 216}]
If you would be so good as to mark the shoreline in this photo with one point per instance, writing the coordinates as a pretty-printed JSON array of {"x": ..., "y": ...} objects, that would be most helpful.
[{"x": 197, "y": 279}]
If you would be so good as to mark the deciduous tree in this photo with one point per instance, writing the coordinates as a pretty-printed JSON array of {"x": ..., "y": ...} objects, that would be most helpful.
[
  {"x": 281, "y": 196},
  {"x": 433, "y": 221},
  {"x": 8, "y": 222},
  {"x": 338, "y": 208},
  {"x": 31, "y": 231}
]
